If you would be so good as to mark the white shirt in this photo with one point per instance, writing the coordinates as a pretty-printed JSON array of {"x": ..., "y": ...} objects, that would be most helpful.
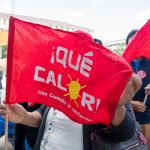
[{"x": 61, "y": 133}]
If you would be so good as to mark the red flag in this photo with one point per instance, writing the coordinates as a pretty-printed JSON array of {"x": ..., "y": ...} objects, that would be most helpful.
[
  {"x": 140, "y": 44},
  {"x": 64, "y": 70}
]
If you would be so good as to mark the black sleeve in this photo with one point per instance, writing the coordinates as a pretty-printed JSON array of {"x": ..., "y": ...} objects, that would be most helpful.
[
  {"x": 32, "y": 133},
  {"x": 20, "y": 133},
  {"x": 41, "y": 110},
  {"x": 127, "y": 128}
]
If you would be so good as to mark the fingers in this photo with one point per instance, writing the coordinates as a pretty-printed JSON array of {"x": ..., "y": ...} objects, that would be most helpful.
[
  {"x": 5, "y": 108},
  {"x": 2, "y": 107},
  {"x": 147, "y": 89},
  {"x": 147, "y": 92},
  {"x": 138, "y": 106},
  {"x": 139, "y": 109},
  {"x": 3, "y": 111}
]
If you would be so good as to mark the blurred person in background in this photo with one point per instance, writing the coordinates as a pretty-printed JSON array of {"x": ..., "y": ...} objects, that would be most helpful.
[
  {"x": 11, "y": 126},
  {"x": 25, "y": 136},
  {"x": 141, "y": 66}
]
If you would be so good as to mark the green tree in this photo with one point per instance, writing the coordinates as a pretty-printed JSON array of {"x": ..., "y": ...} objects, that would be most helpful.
[{"x": 4, "y": 51}]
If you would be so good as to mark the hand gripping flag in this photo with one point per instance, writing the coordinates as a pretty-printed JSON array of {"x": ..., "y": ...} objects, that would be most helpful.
[
  {"x": 140, "y": 44},
  {"x": 64, "y": 70}
]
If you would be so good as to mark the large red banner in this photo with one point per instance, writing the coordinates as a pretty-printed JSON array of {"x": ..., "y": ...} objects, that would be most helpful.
[
  {"x": 140, "y": 44},
  {"x": 64, "y": 70}
]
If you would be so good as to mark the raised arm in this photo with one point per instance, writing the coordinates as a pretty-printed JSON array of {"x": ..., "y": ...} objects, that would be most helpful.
[
  {"x": 17, "y": 114},
  {"x": 130, "y": 90}
]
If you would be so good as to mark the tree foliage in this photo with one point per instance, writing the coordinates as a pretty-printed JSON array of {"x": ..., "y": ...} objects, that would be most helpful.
[{"x": 4, "y": 51}]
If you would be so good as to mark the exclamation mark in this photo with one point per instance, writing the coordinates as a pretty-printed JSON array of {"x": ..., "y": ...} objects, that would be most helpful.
[
  {"x": 52, "y": 58},
  {"x": 98, "y": 103}
]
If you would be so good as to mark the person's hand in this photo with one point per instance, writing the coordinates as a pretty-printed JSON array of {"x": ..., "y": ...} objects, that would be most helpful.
[
  {"x": 147, "y": 89},
  {"x": 130, "y": 90},
  {"x": 138, "y": 106},
  {"x": 16, "y": 112}
]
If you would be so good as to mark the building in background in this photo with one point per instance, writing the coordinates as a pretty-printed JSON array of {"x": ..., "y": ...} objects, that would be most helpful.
[
  {"x": 4, "y": 21},
  {"x": 3, "y": 24},
  {"x": 116, "y": 46},
  {"x": 4, "y": 17}
]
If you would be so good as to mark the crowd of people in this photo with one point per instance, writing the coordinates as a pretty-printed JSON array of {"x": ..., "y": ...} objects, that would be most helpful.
[
  {"x": 141, "y": 108},
  {"x": 40, "y": 127}
]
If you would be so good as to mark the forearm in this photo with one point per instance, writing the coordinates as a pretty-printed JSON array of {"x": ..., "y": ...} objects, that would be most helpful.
[
  {"x": 32, "y": 119},
  {"x": 126, "y": 128},
  {"x": 119, "y": 116},
  {"x": 131, "y": 88}
]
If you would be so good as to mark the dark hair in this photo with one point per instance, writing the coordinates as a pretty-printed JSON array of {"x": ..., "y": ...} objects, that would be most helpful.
[
  {"x": 132, "y": 33},
  {"x": 98, "y": 41}
]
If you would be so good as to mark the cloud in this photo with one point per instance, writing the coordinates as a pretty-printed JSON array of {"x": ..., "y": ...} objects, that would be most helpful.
[
  {"x": 98, "y": 1},
  {"x": 141, "y": 18},
  {"x": 76, "y": 14},
  {"x": 143, "y": 15},
  {"x": 5, "y": 6}
]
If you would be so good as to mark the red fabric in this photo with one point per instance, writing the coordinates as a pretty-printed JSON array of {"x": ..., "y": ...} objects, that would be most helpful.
[
  {"x": 84, "y": 34},
  {"x": 140, "y": 44},
  {"x": 41, "y": 68}
]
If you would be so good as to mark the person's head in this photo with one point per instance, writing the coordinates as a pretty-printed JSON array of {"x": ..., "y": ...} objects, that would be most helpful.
[
  {"x": 84, "y": 34},
  {"x": 98, "y": 41},
  {"x": 130, "y": 36}
]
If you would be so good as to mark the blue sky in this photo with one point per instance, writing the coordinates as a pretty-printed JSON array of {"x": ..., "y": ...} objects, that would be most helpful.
[{"x": 110, "y": 19}]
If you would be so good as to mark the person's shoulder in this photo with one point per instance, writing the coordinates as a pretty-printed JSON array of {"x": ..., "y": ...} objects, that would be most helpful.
[
  {"x": 146, "y": 59},
  {"x": 146, "y": 62}
]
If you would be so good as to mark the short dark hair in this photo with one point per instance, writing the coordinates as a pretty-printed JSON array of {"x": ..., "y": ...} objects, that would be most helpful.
[
  {"x": 132, "y": 33},
  {"x": 98, "y": 41}
]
